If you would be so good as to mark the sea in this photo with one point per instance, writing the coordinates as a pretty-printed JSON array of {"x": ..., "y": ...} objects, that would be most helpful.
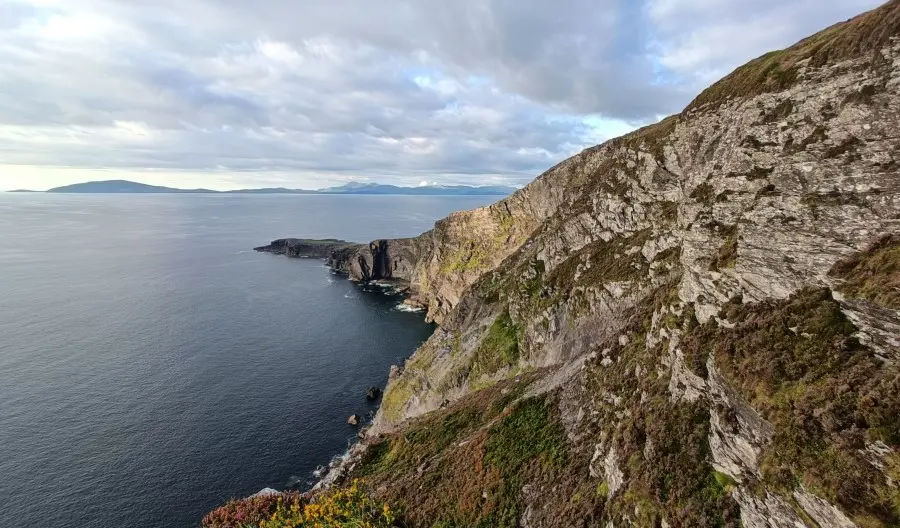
[{"x": 152, "y": 365}]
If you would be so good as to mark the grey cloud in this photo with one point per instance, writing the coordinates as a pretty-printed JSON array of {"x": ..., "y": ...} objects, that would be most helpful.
[{"x": 331, "y": 87}]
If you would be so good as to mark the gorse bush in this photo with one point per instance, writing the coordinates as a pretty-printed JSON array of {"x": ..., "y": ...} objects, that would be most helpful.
[{"x": 343, "y": 508}]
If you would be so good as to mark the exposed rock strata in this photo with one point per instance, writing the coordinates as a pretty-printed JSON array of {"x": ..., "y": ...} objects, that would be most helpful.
[
  {"x": 673, "y": 294},
  {"x": 305, "y": 248}
]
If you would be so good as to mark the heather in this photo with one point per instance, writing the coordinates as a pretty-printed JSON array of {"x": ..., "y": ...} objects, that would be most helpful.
[{"x": 348, "y": 507}]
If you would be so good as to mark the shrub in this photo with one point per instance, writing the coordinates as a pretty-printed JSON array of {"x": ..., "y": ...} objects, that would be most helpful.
[
  {"x": 873, "y": 274},
  {"x": 245, "y": 513},
  {"x": 726, "y": 257},
  {"x": 798, "y": 363},
  {"x": 342, "y": 508},
  {"x": 498, "y": 349},
  {"x": 527, "y": 433}
]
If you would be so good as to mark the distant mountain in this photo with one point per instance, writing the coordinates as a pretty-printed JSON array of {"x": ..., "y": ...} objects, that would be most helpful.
[
  {"x": 424, "y": 190},
  {"x": 122, "y": 187},
  {"x": 128, "y": 187}
]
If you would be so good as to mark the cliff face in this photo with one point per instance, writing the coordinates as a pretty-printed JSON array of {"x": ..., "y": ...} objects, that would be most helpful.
[
  {"x": 695, "y": 324},
  {"x": 441, "y": 264}
]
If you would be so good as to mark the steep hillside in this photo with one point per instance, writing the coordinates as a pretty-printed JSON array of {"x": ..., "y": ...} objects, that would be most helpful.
[{"x": 696, "y": 324}]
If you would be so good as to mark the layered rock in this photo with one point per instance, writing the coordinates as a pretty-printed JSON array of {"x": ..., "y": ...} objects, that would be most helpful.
[
  {"x": 704, "y": 308},
  {"x": 305, "y": 248}
]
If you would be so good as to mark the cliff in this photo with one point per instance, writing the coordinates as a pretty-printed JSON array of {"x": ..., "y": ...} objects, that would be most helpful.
[
  {"x": 305, "y": 248},
  {"x": 695, "y": 324}
]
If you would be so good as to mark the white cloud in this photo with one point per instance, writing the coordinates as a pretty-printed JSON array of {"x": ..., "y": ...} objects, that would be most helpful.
[{"x": 298, "y": 91}]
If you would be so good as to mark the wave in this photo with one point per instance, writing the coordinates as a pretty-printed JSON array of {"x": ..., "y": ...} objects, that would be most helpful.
[{"x": 403, "y": 307}]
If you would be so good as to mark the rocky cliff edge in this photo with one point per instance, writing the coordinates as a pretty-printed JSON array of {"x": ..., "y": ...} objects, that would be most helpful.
[{"x": 693, "y": 325}]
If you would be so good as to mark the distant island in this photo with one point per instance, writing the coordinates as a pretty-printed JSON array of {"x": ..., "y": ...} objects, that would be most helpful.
[{"x": 129, "y": 187}]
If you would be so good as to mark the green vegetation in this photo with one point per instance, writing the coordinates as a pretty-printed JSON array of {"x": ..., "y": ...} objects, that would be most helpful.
[
  {"x": 674, "y": 477},
  {"x": 726, "y": 256},
  {"x": 466, "y": 465},
  {"x": 466, "y": 259},
  {"x": 603, "y": 489},
  {"x": 725, "y": 482},
  {"x": 703, "y": 193},
  {"x": 478, "y": 253},
  {"x": 778, "y": 70},
  {"x": 797, "y": 362},
  {"x": 662, "y": 445},
  {"x": 249, "y": 512},
  {"x": 601, "y": 262},
  {"x": 336, "y": 508},
  {"x": 498, "y": 349},
  {"x": 529, "y": 432},
  {"x": 529, "y": 435},
  {"x": 347, "y": 507},
  {"x": 652, "y": 138},
  {"x": 873, "y": 274},
  {"x": 402, "y": 389}
]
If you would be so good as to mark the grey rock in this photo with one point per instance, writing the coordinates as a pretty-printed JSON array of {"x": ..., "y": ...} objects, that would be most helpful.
[{"x": 825, "y": 514}]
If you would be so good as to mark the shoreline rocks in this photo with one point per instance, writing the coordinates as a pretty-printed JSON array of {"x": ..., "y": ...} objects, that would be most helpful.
[
  {"x": 373, "y": 393},
  {"x": 305, "y": 248}
]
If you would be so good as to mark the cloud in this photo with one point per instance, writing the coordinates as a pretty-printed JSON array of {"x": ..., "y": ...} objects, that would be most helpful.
[{"x": 396, "y": 90}]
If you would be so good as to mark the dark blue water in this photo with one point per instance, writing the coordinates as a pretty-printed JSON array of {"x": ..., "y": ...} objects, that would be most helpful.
[{"x": 151, "y": 366}]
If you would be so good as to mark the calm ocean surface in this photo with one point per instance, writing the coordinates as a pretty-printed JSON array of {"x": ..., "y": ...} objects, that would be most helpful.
[{"x": 152, "y": 365}]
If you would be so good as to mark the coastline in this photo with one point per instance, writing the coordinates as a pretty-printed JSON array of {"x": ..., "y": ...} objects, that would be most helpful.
[
  {"x": 330, "y": 251},
  {"x": 367, "y": 264}
]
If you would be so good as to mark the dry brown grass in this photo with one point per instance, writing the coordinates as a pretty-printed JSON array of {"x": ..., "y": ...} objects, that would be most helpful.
[
  {"x": 873, "y": 274},
  {"x": 775, "y": 71}
]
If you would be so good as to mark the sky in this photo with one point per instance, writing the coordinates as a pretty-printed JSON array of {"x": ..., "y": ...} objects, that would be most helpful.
[{"x": 232, "y": 94}]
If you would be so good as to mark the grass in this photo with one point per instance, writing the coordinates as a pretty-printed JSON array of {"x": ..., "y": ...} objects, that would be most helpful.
[
  {"x": 466, "y": 465},
  {"x": 652, "y": 138},
  {"x": 498, "y": 349},
  {"x": 470, "y": 258},
  {"x": 796, "y": 361},
  {"x": 529, "y": 432},
  {"x": 862, "y": 36},
  {"x": 601, "y": 262},
  {"x": 726, "y": 256},
  {"x": 873, "y": 274},
  {"x": 527, "y": 436},
  {"x": 724, "y": 481},
  {"x": 662, "y": 445}
]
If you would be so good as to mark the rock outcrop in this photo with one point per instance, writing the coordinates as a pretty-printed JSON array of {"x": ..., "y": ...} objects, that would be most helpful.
[
  {"x": 305, "y": 248},
  {"x": 692, "y": 325}
]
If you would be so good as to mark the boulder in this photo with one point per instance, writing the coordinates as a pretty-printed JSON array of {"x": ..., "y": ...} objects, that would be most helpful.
[{"x": 373, "y": 393}]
